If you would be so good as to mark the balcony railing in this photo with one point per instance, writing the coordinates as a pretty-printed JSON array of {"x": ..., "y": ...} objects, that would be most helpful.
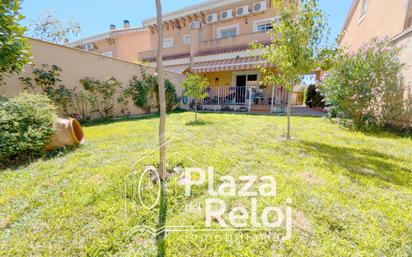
[
  {"x": 247, "y": 96},
  {"x": 244, "y": 39}
]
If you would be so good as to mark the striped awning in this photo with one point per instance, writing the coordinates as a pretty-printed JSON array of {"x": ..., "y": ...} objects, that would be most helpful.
[
  {"x": 177, "y": 68},
  {"x": 228, "y": 65}
]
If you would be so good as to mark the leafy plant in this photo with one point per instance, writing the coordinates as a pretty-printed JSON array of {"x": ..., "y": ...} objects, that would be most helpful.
[
  {"x": 297, "y": 45},
  {"x": 26, "y": 125},
  {"x": 195, "y": 86},
  {"x": 14, "y": 48},
  {"x": 145, "y": 93},
  {"x": 313, "y": 97},
  {"x": 48, "y": 81},
  {"x": 100, "y": 95},
  {"x": 142, "y": 92},
  {"x": 366, "y": 87}
]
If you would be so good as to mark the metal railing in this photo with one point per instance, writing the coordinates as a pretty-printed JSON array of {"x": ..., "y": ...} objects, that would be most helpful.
[{"x": 275, "y": 97}]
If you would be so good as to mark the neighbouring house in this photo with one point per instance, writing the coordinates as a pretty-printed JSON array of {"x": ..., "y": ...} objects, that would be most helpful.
[
  {"x": 123, "y": 43},
  {"x": 368, "y": 19}
]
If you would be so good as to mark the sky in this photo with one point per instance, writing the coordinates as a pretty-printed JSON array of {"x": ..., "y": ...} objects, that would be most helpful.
[{"x": 95, "y": 16}]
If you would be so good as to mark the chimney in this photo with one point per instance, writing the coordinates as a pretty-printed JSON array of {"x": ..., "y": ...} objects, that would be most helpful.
[
  {"x": 112, "y": 27},
  {"x": 126, "y": 24}
]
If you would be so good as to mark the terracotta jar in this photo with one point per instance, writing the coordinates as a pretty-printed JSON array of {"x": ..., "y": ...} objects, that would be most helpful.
[{"x": 66, "y": 132}]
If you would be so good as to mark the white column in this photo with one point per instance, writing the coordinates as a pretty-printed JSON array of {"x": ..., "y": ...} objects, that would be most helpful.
[
  {"x": 273, "y": 98},
  {"x": 250, "y": 98},
  {"x": 218, "y": 95}
]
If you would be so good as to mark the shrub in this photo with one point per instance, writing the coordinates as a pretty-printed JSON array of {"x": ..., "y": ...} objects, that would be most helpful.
[
  {"x": 366, "y": 87},
  {"x": 26, "y": 125},
  {"x": 145, "y": 93},
  {"x": 99, "y": 95},
  {"x": 313, "y": 97},
  {"x": 48, "y": 81}
]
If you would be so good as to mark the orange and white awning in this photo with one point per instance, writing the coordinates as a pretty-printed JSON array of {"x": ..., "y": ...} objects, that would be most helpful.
[{"x": 243, "y": 63}]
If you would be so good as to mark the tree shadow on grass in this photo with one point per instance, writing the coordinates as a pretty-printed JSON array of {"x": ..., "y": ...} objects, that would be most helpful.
[
  {"x": 361, "y": 162},
  {"x": 27, "y": 159},
  {"x": 198, "y": 123}
]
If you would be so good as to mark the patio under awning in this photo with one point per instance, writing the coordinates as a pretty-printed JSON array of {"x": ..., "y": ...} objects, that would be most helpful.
[
  {"x": 243, "y": 63},
  {"x": 177, "y": 68}
]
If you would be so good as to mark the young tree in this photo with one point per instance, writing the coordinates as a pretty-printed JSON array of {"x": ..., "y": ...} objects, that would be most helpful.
[
  {"x": 14, "y": 48},
  {"x": 162, "y": 127},
  {"x": 195, "y": 87},
  {"x": 49, "y": 28},
  {"x": 296, "y": 46}
]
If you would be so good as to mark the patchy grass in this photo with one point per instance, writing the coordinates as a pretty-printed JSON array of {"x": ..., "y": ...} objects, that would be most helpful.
[{"x": 351, "y": 192}]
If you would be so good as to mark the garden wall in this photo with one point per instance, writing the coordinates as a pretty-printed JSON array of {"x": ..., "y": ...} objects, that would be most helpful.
[{"x": 77, "y": 64}]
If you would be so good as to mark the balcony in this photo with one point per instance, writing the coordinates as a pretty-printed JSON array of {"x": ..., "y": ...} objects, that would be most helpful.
[
  {"x": 243, "y": 39},
  {"x": 181, "y": 50}
]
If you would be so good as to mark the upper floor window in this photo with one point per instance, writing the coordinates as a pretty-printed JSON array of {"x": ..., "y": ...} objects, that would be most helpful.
[
  {"x": 186, "y": 39},
  {"x": 231, "y": 31},
  {"x": 364, "y": 7},
  {"x": 89, "y": 46},
  {"x": 108, "y": 54},
  {"x": 263, "y": 25},
  {"x": 168, "y": 42}
]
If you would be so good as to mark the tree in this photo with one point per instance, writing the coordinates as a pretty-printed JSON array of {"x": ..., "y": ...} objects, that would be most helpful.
[
  {"x": 14, "y": 48},
  {"x": 49, "y": 28},
  {"x": 162, "y": 128},
  {"x": 195, "y": 87},
  {"x": 296, "y": 46}
]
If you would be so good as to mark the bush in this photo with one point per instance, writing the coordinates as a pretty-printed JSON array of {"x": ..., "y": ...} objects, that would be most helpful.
[
  {"x": 26, "y": 125},
  {"x": 313, "y": 97},
  {"x": 366, "y": 86},
  {"x": 47, "y": 80},
  {"x": 145, "y": 93}
]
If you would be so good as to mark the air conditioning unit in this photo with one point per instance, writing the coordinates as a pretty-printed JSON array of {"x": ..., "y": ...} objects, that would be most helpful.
[
  {"x": 226, "y": 15},
  {"x": 242, "y": 11},
  {"x": 259, "y": 6},
  {"x": 211, "y": 18}
]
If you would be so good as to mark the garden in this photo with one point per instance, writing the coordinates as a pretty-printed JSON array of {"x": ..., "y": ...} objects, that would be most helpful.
[{"x": 351, "y": 190}]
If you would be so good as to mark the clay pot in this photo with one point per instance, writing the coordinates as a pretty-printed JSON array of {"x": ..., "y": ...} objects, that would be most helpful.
[{"x": 66, "y": 132}]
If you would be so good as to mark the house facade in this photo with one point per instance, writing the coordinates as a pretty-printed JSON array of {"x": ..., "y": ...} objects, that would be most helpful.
[
  {"x": 122, "y": 43},
  {"x": 212, "y": 39},
  {"x": 368, "y": 19},
  {"x": 392, "y": 19}
]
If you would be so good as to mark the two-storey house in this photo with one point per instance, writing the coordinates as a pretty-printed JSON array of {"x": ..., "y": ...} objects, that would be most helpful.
[
  {"x": 123, "y": 43},
  {"x": 213, "y": 40}
]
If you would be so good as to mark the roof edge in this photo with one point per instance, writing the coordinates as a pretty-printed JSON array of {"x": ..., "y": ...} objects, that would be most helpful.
[{"x": 349, "y": 17}]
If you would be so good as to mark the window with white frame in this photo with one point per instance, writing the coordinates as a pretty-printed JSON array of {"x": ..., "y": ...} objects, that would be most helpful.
[
  {"x": 263, "y": 25},
  {"x": 108, "y": 54},
  {"x": 168, "y": 42},
  {"x": 364, "y": 7},
  {"x": 186, "y": 39},
  {"x": 88, "y": 46},
  {"x": 228, "y": 32}
]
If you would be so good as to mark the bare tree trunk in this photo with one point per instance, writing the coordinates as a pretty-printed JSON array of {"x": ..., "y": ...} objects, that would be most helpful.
[
  {"x": 288, "y": 113},
  {"x": 162, "y": 130},
  {"x": 195, "y": 110}
]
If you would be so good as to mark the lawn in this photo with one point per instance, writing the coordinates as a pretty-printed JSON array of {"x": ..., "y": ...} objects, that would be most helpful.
[{"x": 351, "y": 192}]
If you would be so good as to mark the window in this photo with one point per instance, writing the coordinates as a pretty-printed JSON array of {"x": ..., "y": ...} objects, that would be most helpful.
[
  {"x": 108, "y": 54},
  {"x": 228, "y": 32},
  {"x": 186, "y": 39},
  {"x": 264, "y": 25},
  {"x": 364, "y": 7},
  {"x": 168, "y": 43},
  {"x": 252, "y": 77},
  {"x": 88, "y": 46}
]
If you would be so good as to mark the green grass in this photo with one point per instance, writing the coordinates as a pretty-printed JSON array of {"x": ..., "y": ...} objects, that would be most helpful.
[{"x": 351, "y": 192}]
